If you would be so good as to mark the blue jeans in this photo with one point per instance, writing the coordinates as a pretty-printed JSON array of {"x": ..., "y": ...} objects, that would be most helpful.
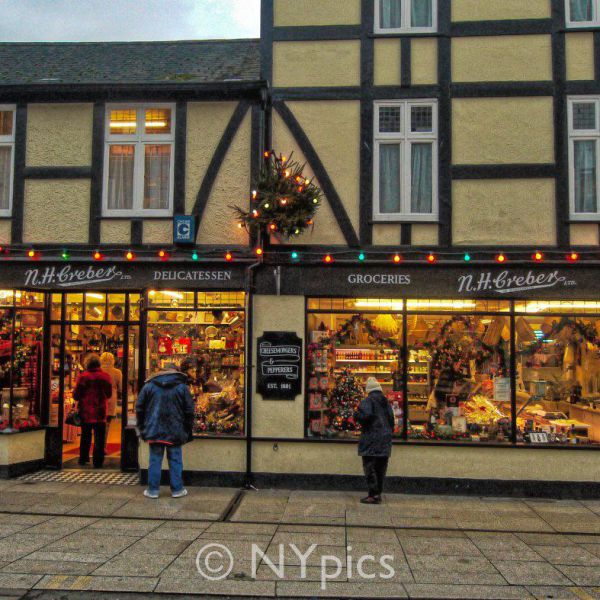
[{"x": 175, "y": 459}]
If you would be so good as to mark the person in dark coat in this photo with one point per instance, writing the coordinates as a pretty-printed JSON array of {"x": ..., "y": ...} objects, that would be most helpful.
[
  {"x": 165, "y": 418},
  {"x": 92, "y": 392},
  {"x": 375, "y": 446}
]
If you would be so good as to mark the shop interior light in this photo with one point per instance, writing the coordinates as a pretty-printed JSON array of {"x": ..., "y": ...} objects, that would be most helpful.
[
  {"x": 194, "y": 256},
  {"x": 328, "y": 259},
  {"x": 130, "y": 255},
  {"x": 378, "y": 303},
  {"x": 65, "y": 255},
  {"x": 229, "y": 257},
  {"x": 538, "y": 256},
  {"x": 501, "y": 258},
  {"x": 361, "y": 257},
  {"x": 573, "y": 257},
  {"x": 467, "y": 257},
  {"x": 397, "y": 258},
  {"x": 94, "y": 296},
  {"x": 176, "y": 295},
  {"x": 446, "y": 304},
  {"x": 431, "y": 258},
  {"x": 98, "y": 255}
]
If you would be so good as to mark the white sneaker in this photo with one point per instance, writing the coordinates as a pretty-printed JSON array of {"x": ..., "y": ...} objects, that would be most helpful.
[
  {"x": 180, "y": 494},
  {"x": 149, "y": 494}
]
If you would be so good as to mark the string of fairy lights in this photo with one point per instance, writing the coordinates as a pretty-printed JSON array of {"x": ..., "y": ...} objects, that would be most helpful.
[{"x": 298, "y": 255}]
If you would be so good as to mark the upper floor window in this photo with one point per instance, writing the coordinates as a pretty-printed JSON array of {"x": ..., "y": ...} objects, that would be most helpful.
[
  {"x": 584, "y": 137},
  {"x": 583, "y": 13},
  {"x": 405, "y": 160},
  {"x": 405, "y": 16},
  {"x": 7, "y": 152},
  {"x": 138, "y": 160}
]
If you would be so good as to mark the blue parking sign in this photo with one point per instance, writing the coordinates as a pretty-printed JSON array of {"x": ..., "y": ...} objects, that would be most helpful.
[{"x": 184, "y": 229}]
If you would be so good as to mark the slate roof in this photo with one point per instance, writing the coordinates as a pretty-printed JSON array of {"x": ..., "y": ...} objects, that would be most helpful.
[{"x": 205, "y": 61}]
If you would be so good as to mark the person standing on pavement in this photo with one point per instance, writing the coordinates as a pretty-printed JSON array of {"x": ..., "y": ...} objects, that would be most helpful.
[
  {"x": 375, "y": 446},
  {"x": 92, "y": 392},
  {"x": 165, "y": 417},
  {"x": 107, "y": 362}
]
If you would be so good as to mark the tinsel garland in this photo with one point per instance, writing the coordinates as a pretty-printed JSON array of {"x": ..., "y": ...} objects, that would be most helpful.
[{"x": 283, "y": 202}]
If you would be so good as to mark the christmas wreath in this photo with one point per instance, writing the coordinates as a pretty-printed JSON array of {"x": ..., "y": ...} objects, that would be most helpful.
[{"x": 283, "y": 202}]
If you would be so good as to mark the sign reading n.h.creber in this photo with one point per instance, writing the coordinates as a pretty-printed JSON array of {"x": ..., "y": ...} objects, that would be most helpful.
[
  {"x": 512, "y": 283},
  {"x": 69, "y": 276}
]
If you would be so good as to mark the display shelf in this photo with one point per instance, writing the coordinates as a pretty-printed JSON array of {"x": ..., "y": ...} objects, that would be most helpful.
[{"x": 363, "y": 360}]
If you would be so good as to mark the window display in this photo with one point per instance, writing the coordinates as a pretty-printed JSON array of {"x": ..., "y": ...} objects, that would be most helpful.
[
  {"x": 21, "y": 334},
  {"x": 208, "y": 328}
]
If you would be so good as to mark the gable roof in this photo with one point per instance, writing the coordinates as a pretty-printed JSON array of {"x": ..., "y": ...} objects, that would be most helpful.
[{"x": 204, "y": 61}]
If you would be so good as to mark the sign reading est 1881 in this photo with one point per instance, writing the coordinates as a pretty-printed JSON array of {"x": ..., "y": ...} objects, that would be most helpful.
[{"x": 279, "y": 365}]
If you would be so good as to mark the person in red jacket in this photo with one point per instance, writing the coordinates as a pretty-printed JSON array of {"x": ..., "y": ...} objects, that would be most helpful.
[{"x": 92, "y": 393}]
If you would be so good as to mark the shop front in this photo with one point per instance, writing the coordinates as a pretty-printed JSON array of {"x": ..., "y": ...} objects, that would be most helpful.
[{"x": 137, "y": 318}]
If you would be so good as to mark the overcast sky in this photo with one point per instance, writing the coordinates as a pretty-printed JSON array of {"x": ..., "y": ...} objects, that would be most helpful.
[{"x": 127, "y": 20}]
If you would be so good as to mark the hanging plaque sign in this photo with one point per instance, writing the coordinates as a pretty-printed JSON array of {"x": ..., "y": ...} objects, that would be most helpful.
[{"x": 279, "y": 365}]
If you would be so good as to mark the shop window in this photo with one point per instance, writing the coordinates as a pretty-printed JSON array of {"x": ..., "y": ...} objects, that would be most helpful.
[
  {"x": 7, "y": 152},
  {"x": 582, "y": 13},
  {"x": 558, "y": 378},
  {"x": 405, "y": 16},
  {"x": 215, "y": 340},
  {"x": 139, "y": 160},
  {"x": 405, "y": 161},
  {"x": 21, "y": 334},
  {"x": 584, "y": 136}
]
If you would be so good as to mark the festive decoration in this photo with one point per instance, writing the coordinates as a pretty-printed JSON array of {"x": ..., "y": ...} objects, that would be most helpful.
[
  {"x": 344, "y": 400},
  {"x": 283, "y": 200}
]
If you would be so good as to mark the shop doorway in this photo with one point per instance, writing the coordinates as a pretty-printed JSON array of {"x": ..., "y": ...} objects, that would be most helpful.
[{"x": 105, "y": 325}]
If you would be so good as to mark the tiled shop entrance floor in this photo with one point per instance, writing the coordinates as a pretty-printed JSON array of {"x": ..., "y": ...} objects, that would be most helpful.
[{"x": 83, "y": 476}]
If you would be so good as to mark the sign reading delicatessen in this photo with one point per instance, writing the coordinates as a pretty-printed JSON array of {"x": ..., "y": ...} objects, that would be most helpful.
[
  {"x": 118, "y": 276},
  {"x": 440, "y": 281}
]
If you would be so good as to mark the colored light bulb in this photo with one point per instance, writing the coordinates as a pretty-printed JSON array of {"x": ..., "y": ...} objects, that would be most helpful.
[
  {"x": 229, "y": 257},
  {"x": 431, "y": 258},
  {"x": 31, "y": 254},
  {"x": 195, "y": 256},
  {"x": 65, "y": 255},
  {"x": 467, "y": 257},
  {"x": 538, "y": 256},
  {"x": 573, "y": 257},
  {"x": 397, "y": 258},
  {"x": 259, "y": 251},
  {"x": 98, "y": 255},
  {"x": 361, "y": 257},
  {"x": 501, "y": 258},
  {"x": 130, "y": 255},
  {"x": 294, "y": 256},
  {"x": 328, "y": 259},
  {"x": 163, "y": 255}
]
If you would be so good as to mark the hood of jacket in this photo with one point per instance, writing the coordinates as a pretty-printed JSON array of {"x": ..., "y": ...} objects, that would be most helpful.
[
  {"x": 168, "y": 379},
  {"x": 378, "y": 395}
]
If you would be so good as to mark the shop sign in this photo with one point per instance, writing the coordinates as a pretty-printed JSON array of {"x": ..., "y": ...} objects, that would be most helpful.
[
  {"x": 512, "y": 283},
  {"x": 119, "y": 276},
  {"x": 279, "y": 365},
  {"x": 184, "y": 229}
]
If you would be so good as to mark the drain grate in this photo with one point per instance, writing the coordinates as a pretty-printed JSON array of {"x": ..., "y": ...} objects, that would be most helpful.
[{"x": 80, "y": 476}]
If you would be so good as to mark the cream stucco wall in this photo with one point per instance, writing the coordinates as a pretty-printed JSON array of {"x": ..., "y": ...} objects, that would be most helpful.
[
  {"x": 326, "y": 229},
  {"x": 231, "y": 188},
  {"x": 316, "y": 12},
  {"x": 386, "y": 234},
  {"x": 228, "y": 456},
  {"x": 21, "y": 447},
  {"x": 424, "y": 234},
  {"x": 206, "y": 122},
  {"x": 490, "y": 10},
  {"x": 316, "y": 64},
  {"x": 158, "y": 232},
  {"x": 502, "y": 58},
  {"x": 283, "y": 418},
  {"x": 59, "y": 134},
  {"x": 5, "y": 231},
  {"x": 386, "y": 65},
  {"x": 580, "y": 56},
  {"x": 584, "y": 234},
  {"x": 424, "y": 61},
  {"x": 115, "y": 232},
  {"x": 334, "y": 131},
  {"x": 56, "y": 211},
  {"x": 503, "y": 211},
  {"x": 502, "y": 130},
  {"x": 413, "y": 461}
]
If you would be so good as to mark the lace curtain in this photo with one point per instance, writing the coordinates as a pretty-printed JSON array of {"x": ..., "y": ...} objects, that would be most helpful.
[
  {"x": 585, "y": 176},
  {"x": 120, "y": 177},
  {"x": 581, "y": 10},
  {"x": 5, "y": 165}
]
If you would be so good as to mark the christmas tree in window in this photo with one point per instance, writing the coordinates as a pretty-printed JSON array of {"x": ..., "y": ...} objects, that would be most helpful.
[{"x": 344, "y": 400}]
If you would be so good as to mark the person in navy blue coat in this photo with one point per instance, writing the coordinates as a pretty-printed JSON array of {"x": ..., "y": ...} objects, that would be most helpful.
[{"x": 165, "y": 418}]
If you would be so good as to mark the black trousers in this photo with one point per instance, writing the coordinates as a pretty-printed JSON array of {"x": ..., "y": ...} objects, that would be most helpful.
[
  {"x": 375, "y": 468},
  {"x": 99, "y": 430}
]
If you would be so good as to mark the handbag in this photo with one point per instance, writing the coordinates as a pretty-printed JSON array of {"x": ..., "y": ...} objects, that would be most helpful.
[{"x": 73, "y": 418}]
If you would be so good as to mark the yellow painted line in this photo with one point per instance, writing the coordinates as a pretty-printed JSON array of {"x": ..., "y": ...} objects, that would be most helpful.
[
  {"x": 581, "y": 594},
  {"x": 56, "y": 582},
  {"x": 83, "y": 583}
]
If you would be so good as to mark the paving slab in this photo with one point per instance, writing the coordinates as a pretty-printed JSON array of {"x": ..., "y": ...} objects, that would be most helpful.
[
  {"x": 195, "y": 585},
  {"x": 97, "y": 584},
  {"x": 467, "y": 564},
  {"x": 562, "y": 593},
  {"x": 567, "y": 555},
  {"x": 531, "y": 573},
  {"x": 334, "y": 589},
  {"x": 50, "y": 567},
  {"x": 580, "y": 575},
  {"x": 465, "y": 592},
  {"x": 18, "y": 580}
]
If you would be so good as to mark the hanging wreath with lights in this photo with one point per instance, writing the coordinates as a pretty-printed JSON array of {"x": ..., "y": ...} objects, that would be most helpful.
[{"x": 284, "y": 201}]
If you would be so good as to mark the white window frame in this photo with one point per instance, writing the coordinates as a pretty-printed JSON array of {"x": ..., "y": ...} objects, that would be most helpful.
[
  {"x": 9, "y": 141},
  {"x": 406, "y": 138},
  {"x": 595, "y": 22},
  {"x": 406, "y": 18},
  {"x": 576, "y": 135},
  {"x": 140, "y": 139}
]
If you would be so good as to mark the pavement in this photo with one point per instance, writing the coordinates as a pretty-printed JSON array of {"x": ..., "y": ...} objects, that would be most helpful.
[{"x": 81, "y": 540}]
